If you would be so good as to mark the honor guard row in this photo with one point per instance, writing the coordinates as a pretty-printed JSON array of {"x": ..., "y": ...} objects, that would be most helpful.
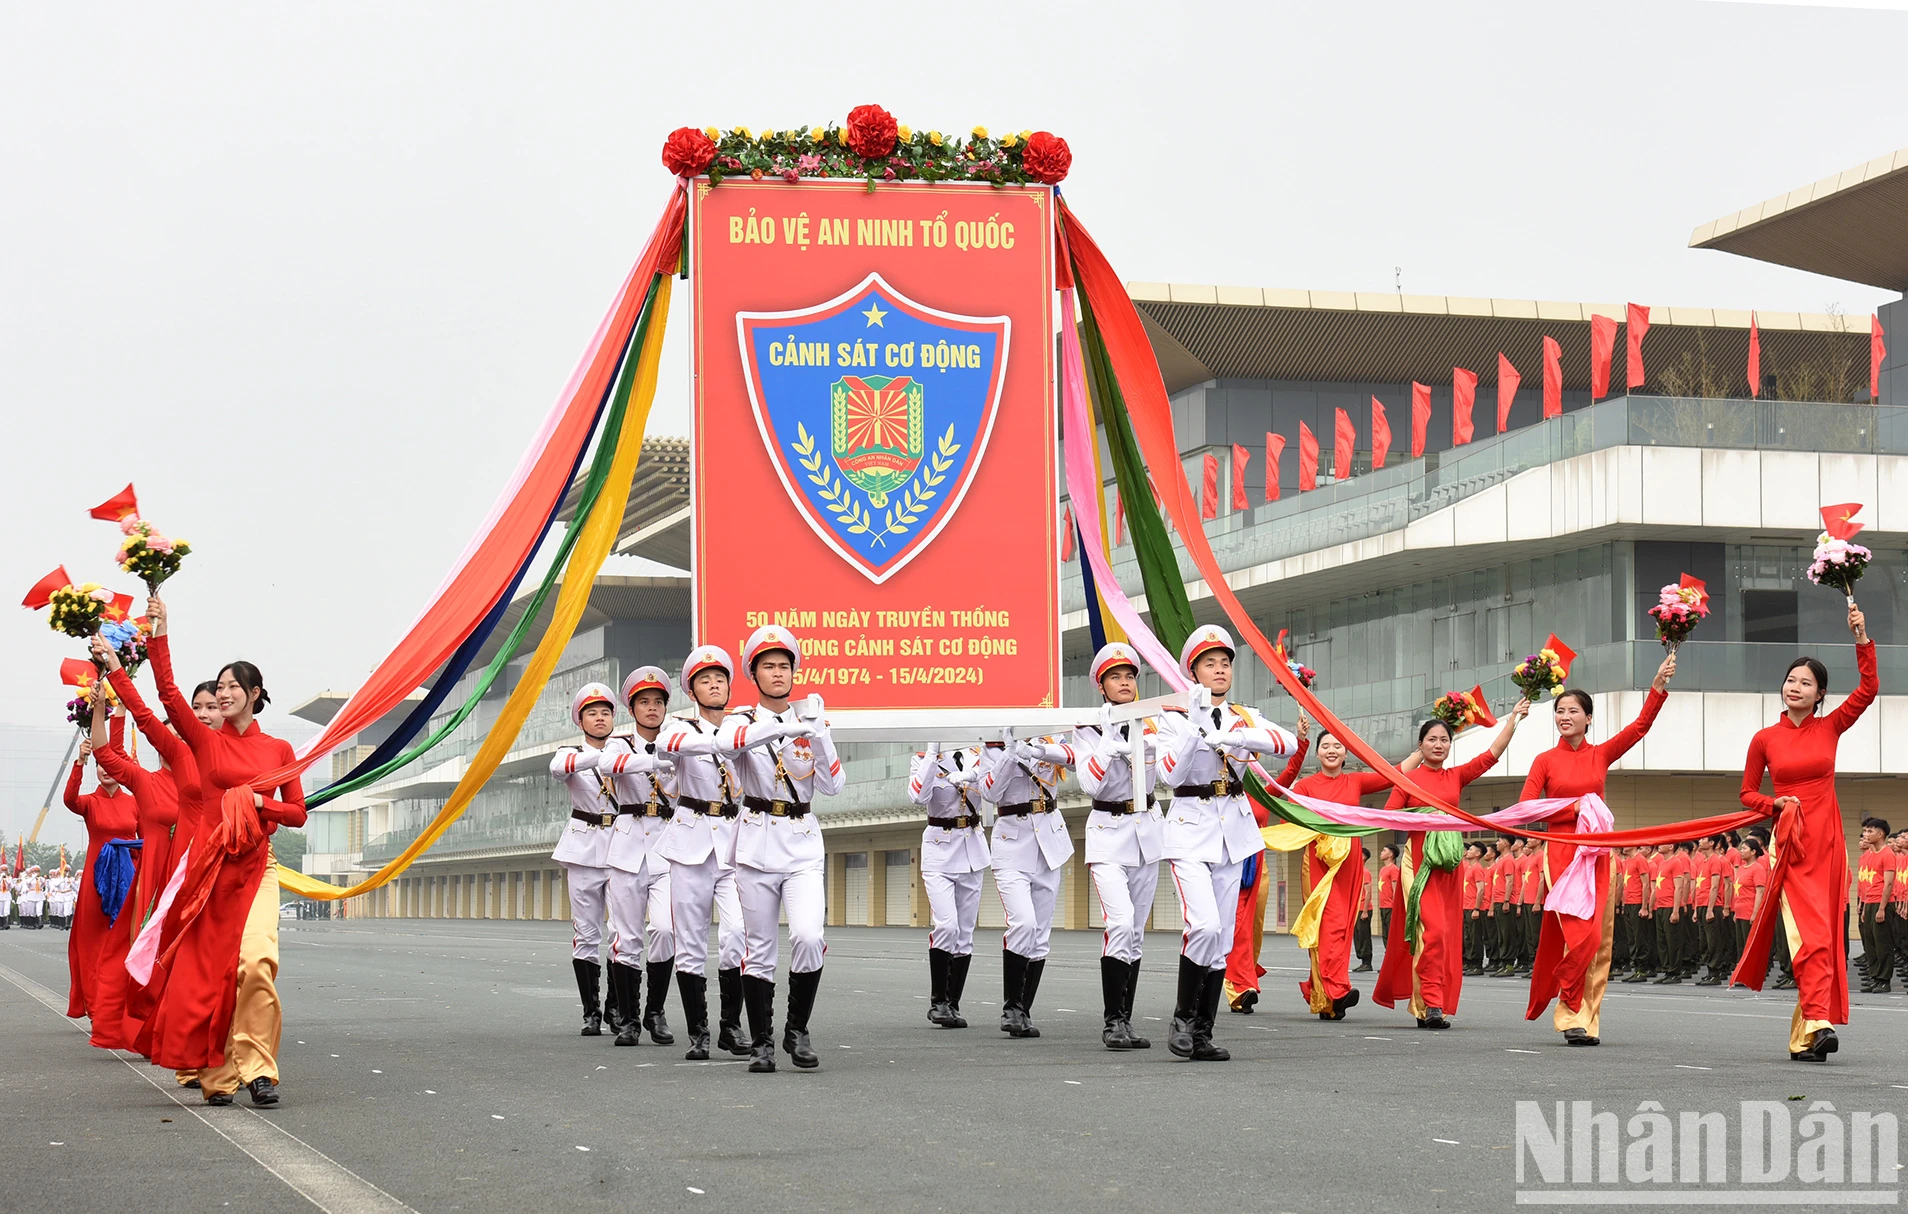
[{"x": 699, "y": 817}]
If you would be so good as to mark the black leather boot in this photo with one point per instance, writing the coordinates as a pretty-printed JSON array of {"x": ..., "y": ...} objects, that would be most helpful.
[
  {"x": 653, "y": 1018},
  {"x": 1211, "y": 991},
  {"x": 695, "y": 1014},
  {"x": 589, "y": 977},
  {"x": 938, "y": 965},
  {"x": 759, "y": 997},
  {"x": 956, "y": 983},
  {"x": 1192, "y": 978},
  {"x": 612, "y": 1011},
  {"x": 626, "y": 988},
  {"x": 1126, "y": 1007},
  {"x": 1029, "y": 987},
  {"x": 1013, "y": 976},
  {"x": 801, "y": 1001},
  {"x": 729, "y": 1030},
  {"x": 1114, "y": 1034}
]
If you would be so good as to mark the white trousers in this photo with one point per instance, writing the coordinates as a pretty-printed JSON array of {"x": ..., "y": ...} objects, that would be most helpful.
[
  {"x": 1126, "y": 900},
  {"x": 1209, "y": 897},
  {"x": 1027, "y": 901},
  {"x": 639, "y": 917},
  {"x": 953, "y": 909},
  {"x": 589, "y": 895},
  {"x": 698, "y": 893},
  {"x": 764, "y": 897}
]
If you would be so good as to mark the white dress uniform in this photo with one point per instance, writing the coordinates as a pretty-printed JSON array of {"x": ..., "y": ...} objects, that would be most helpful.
[
  {"x": 62, "y": 895},
  {"x": 1030, "y": 847},
  {"x": 32, "y": 898},
  {"x": 583, "y": 850},
  {"x": 953, "y": 856},
  {"x": 6, "y": 902},
  {"x": 1209, "y": 834},
  {"x": 783, "y": 760},
  {"x": 1124, "y": 842},
  {"x": 699, "y": 844},
  {"x": 641, "y": 936}
]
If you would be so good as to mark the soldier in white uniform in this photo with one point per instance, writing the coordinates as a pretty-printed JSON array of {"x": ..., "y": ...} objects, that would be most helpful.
[
  {"x": 583, "y": 851},
  {"x": 1210, "y": 831},
  {"x": 32, "y": 898},
  {"x": 1123, "y": 840},
  {"x": 6, "y": 901},
  {"x": 699, "y": 844},
  {"x": 784, "y": 756},
  {"x": 953, "y": 855},
  {"x": 1030, "y": 848},
  {"x": 63, "y": 898},
  {"x": 640, "y": 933}
]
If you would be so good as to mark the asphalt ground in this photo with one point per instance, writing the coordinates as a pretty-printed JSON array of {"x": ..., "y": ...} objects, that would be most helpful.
[{"x": 436, "y": 1065}]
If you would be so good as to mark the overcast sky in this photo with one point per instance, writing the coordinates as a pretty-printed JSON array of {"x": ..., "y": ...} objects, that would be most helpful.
[{"x": 310, "y": 275}]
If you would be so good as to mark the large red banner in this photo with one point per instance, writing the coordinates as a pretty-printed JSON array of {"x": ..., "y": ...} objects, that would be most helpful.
[{"x": 874, "y": 451}]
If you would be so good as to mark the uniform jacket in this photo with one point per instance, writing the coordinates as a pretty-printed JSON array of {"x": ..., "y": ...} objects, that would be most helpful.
[
  {"x": 641, "y": 784},
  {"x": 1032, "y": 842},
  {"x": 945, "y": 849},
  {"x": 701, "y": 772},
  {"x": 579, "y": 770},
  {"x": 1106, "y": 774},
  {"x": 775, "y": 768},
  {"x": 1213, "y": 830}
]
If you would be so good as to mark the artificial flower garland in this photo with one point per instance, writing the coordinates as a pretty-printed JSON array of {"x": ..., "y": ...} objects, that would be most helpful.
[{"x": 872, "y": 146}]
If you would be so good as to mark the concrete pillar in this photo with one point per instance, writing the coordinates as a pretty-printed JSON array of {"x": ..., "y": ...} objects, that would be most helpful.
[
  {"x": 837, "y": 883},
  {"x": 1079, "y": 909},
  {"x": 877, "y": 889},
  {"x": 918, "y": 903}
]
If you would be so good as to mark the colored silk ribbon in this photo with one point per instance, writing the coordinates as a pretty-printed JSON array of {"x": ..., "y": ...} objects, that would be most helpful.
[{"x": 113, "y": 875}]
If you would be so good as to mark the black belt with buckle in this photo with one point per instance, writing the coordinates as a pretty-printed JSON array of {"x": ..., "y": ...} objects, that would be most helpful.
[
  {"x": 1225, "y": 786},
  {"x": 1021, "y": 809},
  {"x": 661, "y": 809},
  {"x": 1118, "y": 808},
  {"x": 594, "y": 819},
  {"x": 777, "y": 809},
  {"x": 712, "y": 809},
  {"x": 963, "y": 822}
]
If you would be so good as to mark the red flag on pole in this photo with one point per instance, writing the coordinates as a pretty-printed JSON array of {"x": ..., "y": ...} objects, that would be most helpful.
[
  {"x": 120, "y": 609},
  {"x": 42, "y": 592},
  {"x": 1639, "y": 324},
  {"x": 1507, "y": 383},
  {"x": 1420, "y": 416},
  {"x": 1602, "y": 349},
  {"x": 1565, "y": 654},
  {"x": 116, "y": 507},
  {"x": 1240, "y": 458},
  {"x": 1209, "y": 489},
  {"x": 1463, "y": 396},
  {"x": 1877, "y": 350},
  {"x": 1380, "y": 435},
  {"x": 1066, "y": 535},
  {"x": 1274, "y": 451},
  {"x": 78, "y": 672},
  {"x": 1755, "y": 358},
  {"x": 1839, "y": 520},
  {"x": 1553, "y": 378},
  {"x": 1344, "y": 440},
  {"x": 1308, "y": 458}
]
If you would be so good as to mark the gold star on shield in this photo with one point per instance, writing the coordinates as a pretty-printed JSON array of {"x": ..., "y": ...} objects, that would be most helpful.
[{"x": 874, "y": 314}]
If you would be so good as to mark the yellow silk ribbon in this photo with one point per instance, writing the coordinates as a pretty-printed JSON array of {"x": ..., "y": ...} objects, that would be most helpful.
[{"x": 593, "y": 546}]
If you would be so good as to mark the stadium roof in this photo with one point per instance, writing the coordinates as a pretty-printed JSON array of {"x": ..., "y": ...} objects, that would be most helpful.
[{"x": 1851, "y": 225}]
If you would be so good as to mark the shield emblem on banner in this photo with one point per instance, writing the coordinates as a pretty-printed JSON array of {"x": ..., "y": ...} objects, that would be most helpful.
[{"x": 876, "y": 411}]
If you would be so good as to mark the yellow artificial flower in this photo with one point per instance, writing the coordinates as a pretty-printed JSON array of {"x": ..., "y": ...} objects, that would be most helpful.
[
  {"x": 1009, "y": 139},
  {"x": 934, "y": 137},
  {"x": 768, "y": 134},
  {"x": 744, "y": 132},
  {"x": 1026, "y": 135},
  {"x": 714, "y": 133},
  {"x": 1557, "y": 671},
  {"x": 818, "y": 134},
  {"x": 904, "y": 133},
  {"x": 980, "y": 132},
  {"x": 1548, "y": 655}
]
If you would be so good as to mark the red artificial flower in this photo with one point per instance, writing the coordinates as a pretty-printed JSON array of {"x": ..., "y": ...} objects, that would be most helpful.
[
  {"x": 1047, "y": 158},
  {"x": 870, "y": 131},
  {"x": 687, "y": 151}
]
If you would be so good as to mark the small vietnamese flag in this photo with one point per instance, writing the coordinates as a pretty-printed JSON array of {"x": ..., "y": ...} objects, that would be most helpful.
[
  {"x": 1481, "y": 711},
  {"x": 117, "y": 507},
  {"x": 120, "y": 609},
  {"x": 78, "y": 672},
  {"x": 1565, "y": 654},
  {"x": 42, "y": 592},
  {"x": 1839, "y": 520},
  {"x": 1697, "y": 584}
]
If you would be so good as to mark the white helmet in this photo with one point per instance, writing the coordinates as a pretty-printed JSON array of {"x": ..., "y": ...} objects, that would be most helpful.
[
  {"x": 588, "y": 694},
  {"x": 645, "y": 678},
  {"x": 1111, "y": 657},
  {"x": 706, "y": 657},
  {"x": 769, "y": 637},
  {"x": 1205, "y": 638}
]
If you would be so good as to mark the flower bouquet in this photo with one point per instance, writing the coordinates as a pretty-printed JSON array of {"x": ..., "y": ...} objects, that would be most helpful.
[
  {"x": 81, "y": 675},
  {"x": 1540, "y": 673},
  {"x": 78, "y": 610},
  {"x": 150, "y": 556},
  {"x": 1839, "y": 560},
  {"x": 128, "y": 639},
  {"x": 1300, "y": 671},
  {"x": 1680, "y": 606},
  {"x": 1459, "y": 710}
]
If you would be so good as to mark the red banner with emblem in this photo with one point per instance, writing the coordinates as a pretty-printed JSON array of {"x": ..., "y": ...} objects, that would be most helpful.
[{"x": 874, "y": 459}]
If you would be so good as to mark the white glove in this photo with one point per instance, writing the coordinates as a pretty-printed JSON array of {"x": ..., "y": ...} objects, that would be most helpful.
[
  {"x": 932, "y": 752},
  {"x": 1106, "y": 720},
  {"x": 1007, "y": 737},
  {"x": 809, "y": 709},
  {"x": 1031, "y": 752},
  {"x": 964, "y": 777},
  {"x": 798, "y": 728},
  {"x": 1199, "y": 699}
]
